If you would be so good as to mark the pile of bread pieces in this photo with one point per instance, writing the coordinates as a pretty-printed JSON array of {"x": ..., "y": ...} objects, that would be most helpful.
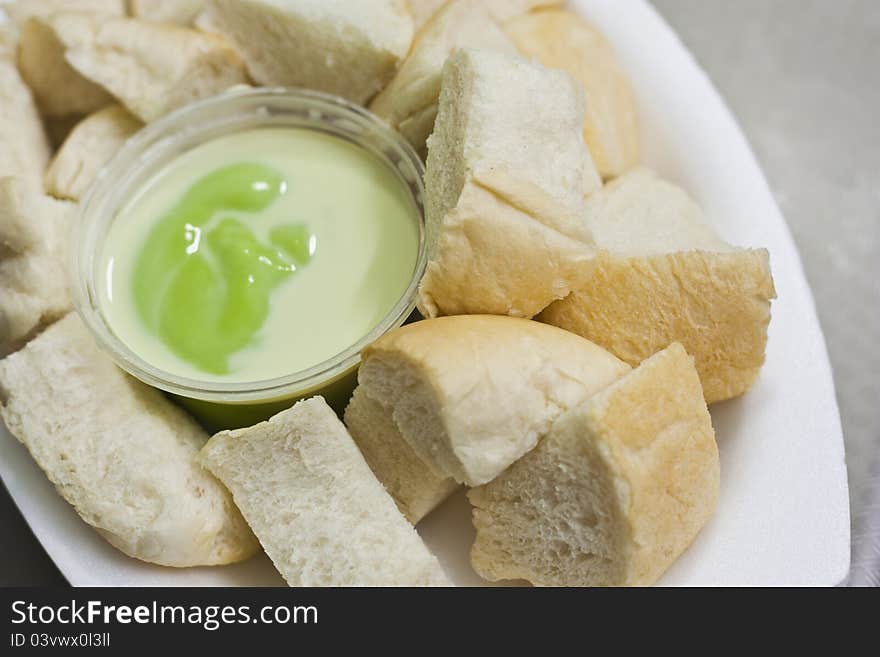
[{"x": 580, "y": 310}]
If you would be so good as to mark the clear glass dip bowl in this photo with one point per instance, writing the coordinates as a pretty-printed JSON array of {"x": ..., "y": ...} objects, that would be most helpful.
[{"x": 231, "y": 405}]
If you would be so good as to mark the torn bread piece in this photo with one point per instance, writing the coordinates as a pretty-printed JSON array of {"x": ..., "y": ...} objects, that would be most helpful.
[
  {"x": 152, "y": 68},
  {"x": 473, "y": 393},
  {"x": 119, "y": 452},
  {"x": 664, "y": 276},
  {"x": 562, "y": 39},
  {"x": 501, "y": 10},
  {"x": 349, "y": 48},
  {"x": 505, "y": 182},
  {"x": 34, "y": 233},
  {"x": 409, "y": 103},
  {"x": 616, "y": 491},
  {"x": 182, "y": 12},
  {"x": 91, "y": 144},
  {"x": 311, "y": 499},
  {"x": 59, "y": 89},
  {"x": 24, "y": 148},
  {"x": 415, "y": 487}
]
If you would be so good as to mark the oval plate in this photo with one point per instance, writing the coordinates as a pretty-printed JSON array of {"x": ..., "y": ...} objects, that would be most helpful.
[{"x": 783, "y": 515}]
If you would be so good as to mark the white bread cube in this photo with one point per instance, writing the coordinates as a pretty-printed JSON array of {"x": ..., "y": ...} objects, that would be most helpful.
[
  {"x": 182, "y": 12},
  {"x": 320, "y": 513},
  {"x": 90, "y": 145},
  {"x": 416, "y": 489},
  {"x": 664, "y": 276},
  {"x": 500, "y": 10},
  {"x": 59, "y": 89},
  {"x": 24, "y": 148},
  {"x": 350, "y": 48},
  {"x": 151, "y": 68},
  {"x": 409, "y": 103},
  {"x": 472, "y": 393},
  {"x": 119, "y": 452},
  {"x": 34, "y": 242},
  {"x": 562, "y": 39},
  {"x": 614, "y": 494},
  {"x": 506, "y": 178}
]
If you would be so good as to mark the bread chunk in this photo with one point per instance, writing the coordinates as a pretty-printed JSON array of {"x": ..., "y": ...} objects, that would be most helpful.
[
  {"x": 350, "y": 48},
  {"x": 664, "y": 276},
  {"x": 119, "y": 452},
  {"x": 409, "y": 102},
  {"x": 320, "y": 513},
  {"x": 21, "y": 11},
  {"x": 24, "y": 147},
  {"x": 562, "y": 39},
  {"x": 617, "y": 490},
  {"x": 34, "y": 241},
  {"x": 505, "y": 182},
  {"x": 92, "y": 144},
  {"x": 151, "y": 68},
  {"x": 417, "y": 490},
  {"x": 59, "y": 89},
  {"x": 501, "y": 10},
  {"x": 473, "y": 393}
]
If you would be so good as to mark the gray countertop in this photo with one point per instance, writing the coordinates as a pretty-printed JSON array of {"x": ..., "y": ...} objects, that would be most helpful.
[{"x": 802, "y": 77}]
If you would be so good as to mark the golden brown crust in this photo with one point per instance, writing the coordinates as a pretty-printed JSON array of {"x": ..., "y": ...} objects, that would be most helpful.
[{"x": 716, "y": 304}]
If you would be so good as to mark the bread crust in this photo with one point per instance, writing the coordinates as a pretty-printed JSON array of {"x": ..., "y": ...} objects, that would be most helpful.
[
  {"x": 59, "y": 89},
  {"x": 716, "y": 304}
]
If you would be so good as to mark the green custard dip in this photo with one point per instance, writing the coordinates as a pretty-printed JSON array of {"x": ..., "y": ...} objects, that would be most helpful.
[{"x": 255, "y": 255}]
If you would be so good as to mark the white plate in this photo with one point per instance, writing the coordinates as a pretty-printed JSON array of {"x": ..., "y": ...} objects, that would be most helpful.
[{"x": 783, "y": 516}]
